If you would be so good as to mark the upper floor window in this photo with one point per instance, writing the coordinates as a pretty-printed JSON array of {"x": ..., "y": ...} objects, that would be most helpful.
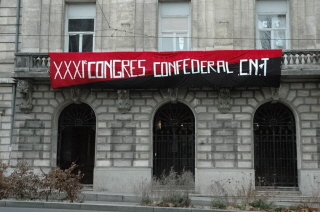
[
  {"x": 272, "y": 24},
  {"x": 174, "y": 26},
  {"x": 80, "y": 19}
]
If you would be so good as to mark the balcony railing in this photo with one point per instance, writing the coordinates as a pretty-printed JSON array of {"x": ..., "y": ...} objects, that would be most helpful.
[
  {"x": 38, "y": 64},
  {"x": 301, "y": 57}
]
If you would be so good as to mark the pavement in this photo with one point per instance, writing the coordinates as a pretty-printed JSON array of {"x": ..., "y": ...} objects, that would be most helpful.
[
  {"x": 111, "y": 202},
  {"x": 101, "y": 201}
]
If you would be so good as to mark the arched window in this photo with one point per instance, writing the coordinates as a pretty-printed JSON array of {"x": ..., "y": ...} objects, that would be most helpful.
[
  {"x": 173, "y": 139},
  {"x": 76, "y": 139},
  {"x": 275, "y": 150}
]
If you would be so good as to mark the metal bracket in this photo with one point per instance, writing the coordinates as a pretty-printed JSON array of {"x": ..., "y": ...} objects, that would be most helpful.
[
  {"x": 25, "y": 87},
  {"x": 224, "y": 104},
  {"x": 123, "y": 101}
]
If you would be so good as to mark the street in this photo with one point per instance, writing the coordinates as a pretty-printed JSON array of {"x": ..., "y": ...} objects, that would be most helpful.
[{"x": 11, "y": 209}]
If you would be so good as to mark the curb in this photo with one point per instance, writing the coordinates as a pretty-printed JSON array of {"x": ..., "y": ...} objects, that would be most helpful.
[{"x": 101, "y": 207}]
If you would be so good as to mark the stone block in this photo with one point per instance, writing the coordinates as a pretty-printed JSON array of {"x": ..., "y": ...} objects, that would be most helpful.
[
  {"x": 122, "y": 147},
  {"x": 204, "y": 148},
  {"x": 244, "y": 148},
  {"x": 103, "y": 163},
  {"x": 309, "y": 148},
  {"x": 241, "y": 117},
  {"x": 244, "y": 132},
  {"x": 143, "y": 132},
  {"x": 308, "y": 132},
  {"x": 310, "y": 165},
  {"x": 115, "y": 155},
  {"x": 216, "y": 124},
  {"x": 223, "y": 132},
  {"x": 31, "y": 155},
  {"x": 103, "y": 147},
  {"x": 231, "y": 124},
  {"x": 315, "y": 108},
  {"x": 204, "y": 164},
  {"x": 206, "y": 132},
  {"x": 142, "y": 148},
  {"x": 225, "y": 164},
  {"x": 205, "y": 116},
  {"x": 303, "y": 93},
  {"x": 33, "y": 139},
  {"x": 225, "y": 148},
  {"x": 140, "y": 163},
  {"x": 309, "y": 116},
  {"x": 245, "y": 164},
  {"x": 122, "y": 163},
  {"x": 202, "y": 124},
  {"x": 41, "y": 162},
  {"x": 123, "y": 132},
  {"x": 141, "y": 117},
  {"x": 304, "y": 108},
  {"x": 298, "y": 101}
]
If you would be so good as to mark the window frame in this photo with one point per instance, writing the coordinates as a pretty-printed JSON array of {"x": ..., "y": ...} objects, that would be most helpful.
[
  {"x": 174, "y": 32},
  {"x": 80, "y": 33},
  {"x": 272, "y": 29}
]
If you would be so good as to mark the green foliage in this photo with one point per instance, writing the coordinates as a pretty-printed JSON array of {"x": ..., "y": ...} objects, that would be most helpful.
[
  {"x": 262, "y": 204},
  {"x": 176, "y": 199},
  {"x": 219, "y": 204},
  {"x": 170, "y": 189}
]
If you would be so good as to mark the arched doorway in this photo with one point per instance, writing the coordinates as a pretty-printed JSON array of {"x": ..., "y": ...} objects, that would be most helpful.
[
  {"x": 76, "y": 139},
  {"x": 275, "y": 149},
  {"x": 173, "y": 139}
]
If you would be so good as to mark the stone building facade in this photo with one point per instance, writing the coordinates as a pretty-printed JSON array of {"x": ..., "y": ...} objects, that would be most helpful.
[{"x": 33, "y": 116}]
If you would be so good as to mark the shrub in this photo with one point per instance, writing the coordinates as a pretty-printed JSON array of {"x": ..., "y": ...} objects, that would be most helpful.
[
  {"x": 24, "y": 184},
  {"x": 68, "y": 182},
  {"x": 219, "y": 204},
  {"x": 171, "y": 188},
  {"x": 176, "y": 199},
  {"x": 4, "y": 188},
  {"x": 262, "y": 204}
]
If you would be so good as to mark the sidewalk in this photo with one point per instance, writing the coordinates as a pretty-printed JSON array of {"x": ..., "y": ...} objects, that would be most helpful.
[{"x": 101, "y": 201}]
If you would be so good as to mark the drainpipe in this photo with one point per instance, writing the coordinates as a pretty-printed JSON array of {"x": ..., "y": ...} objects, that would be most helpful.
[{"x": 14, "y": 88}]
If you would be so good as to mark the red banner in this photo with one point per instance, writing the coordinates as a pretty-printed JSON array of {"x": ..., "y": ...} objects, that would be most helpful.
[{"x": 228, "y": 68}]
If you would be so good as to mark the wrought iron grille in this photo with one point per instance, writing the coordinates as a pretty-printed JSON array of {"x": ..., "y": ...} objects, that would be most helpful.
[
  {"x": 76, "y": 139},
  {"x": 173, "y": 135},
  {"x": 275, "y": 146}
]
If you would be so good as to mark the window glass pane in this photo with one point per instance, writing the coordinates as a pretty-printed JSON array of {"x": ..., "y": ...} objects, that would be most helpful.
[
  {"x": 167, "y": 43},
  {"x": 174, "y": 8},
  {"x": 181, "y": 42},
  {"x": 265, "y": 21},
  {"x": 87, "y": 43},
  {"x": 279, "y": 21},
  {"x": 174, "y": 24},
  {"x": 73, "y": 43},
  {"x": 279, "y": 40},
  {"x": 76, "y": 25},
  {"x": 265, "y": 39}
]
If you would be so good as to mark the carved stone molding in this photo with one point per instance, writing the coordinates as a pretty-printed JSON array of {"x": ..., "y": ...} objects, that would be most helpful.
[
  {"x": 275, "y": 95},
  {"x": 25, "y": 87},
  {"x": 224, "y": 105},
  {"x": 123, "y": 101},
  {"x": 173, "y": 95},
  {"x": 75, "y": 94}
]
